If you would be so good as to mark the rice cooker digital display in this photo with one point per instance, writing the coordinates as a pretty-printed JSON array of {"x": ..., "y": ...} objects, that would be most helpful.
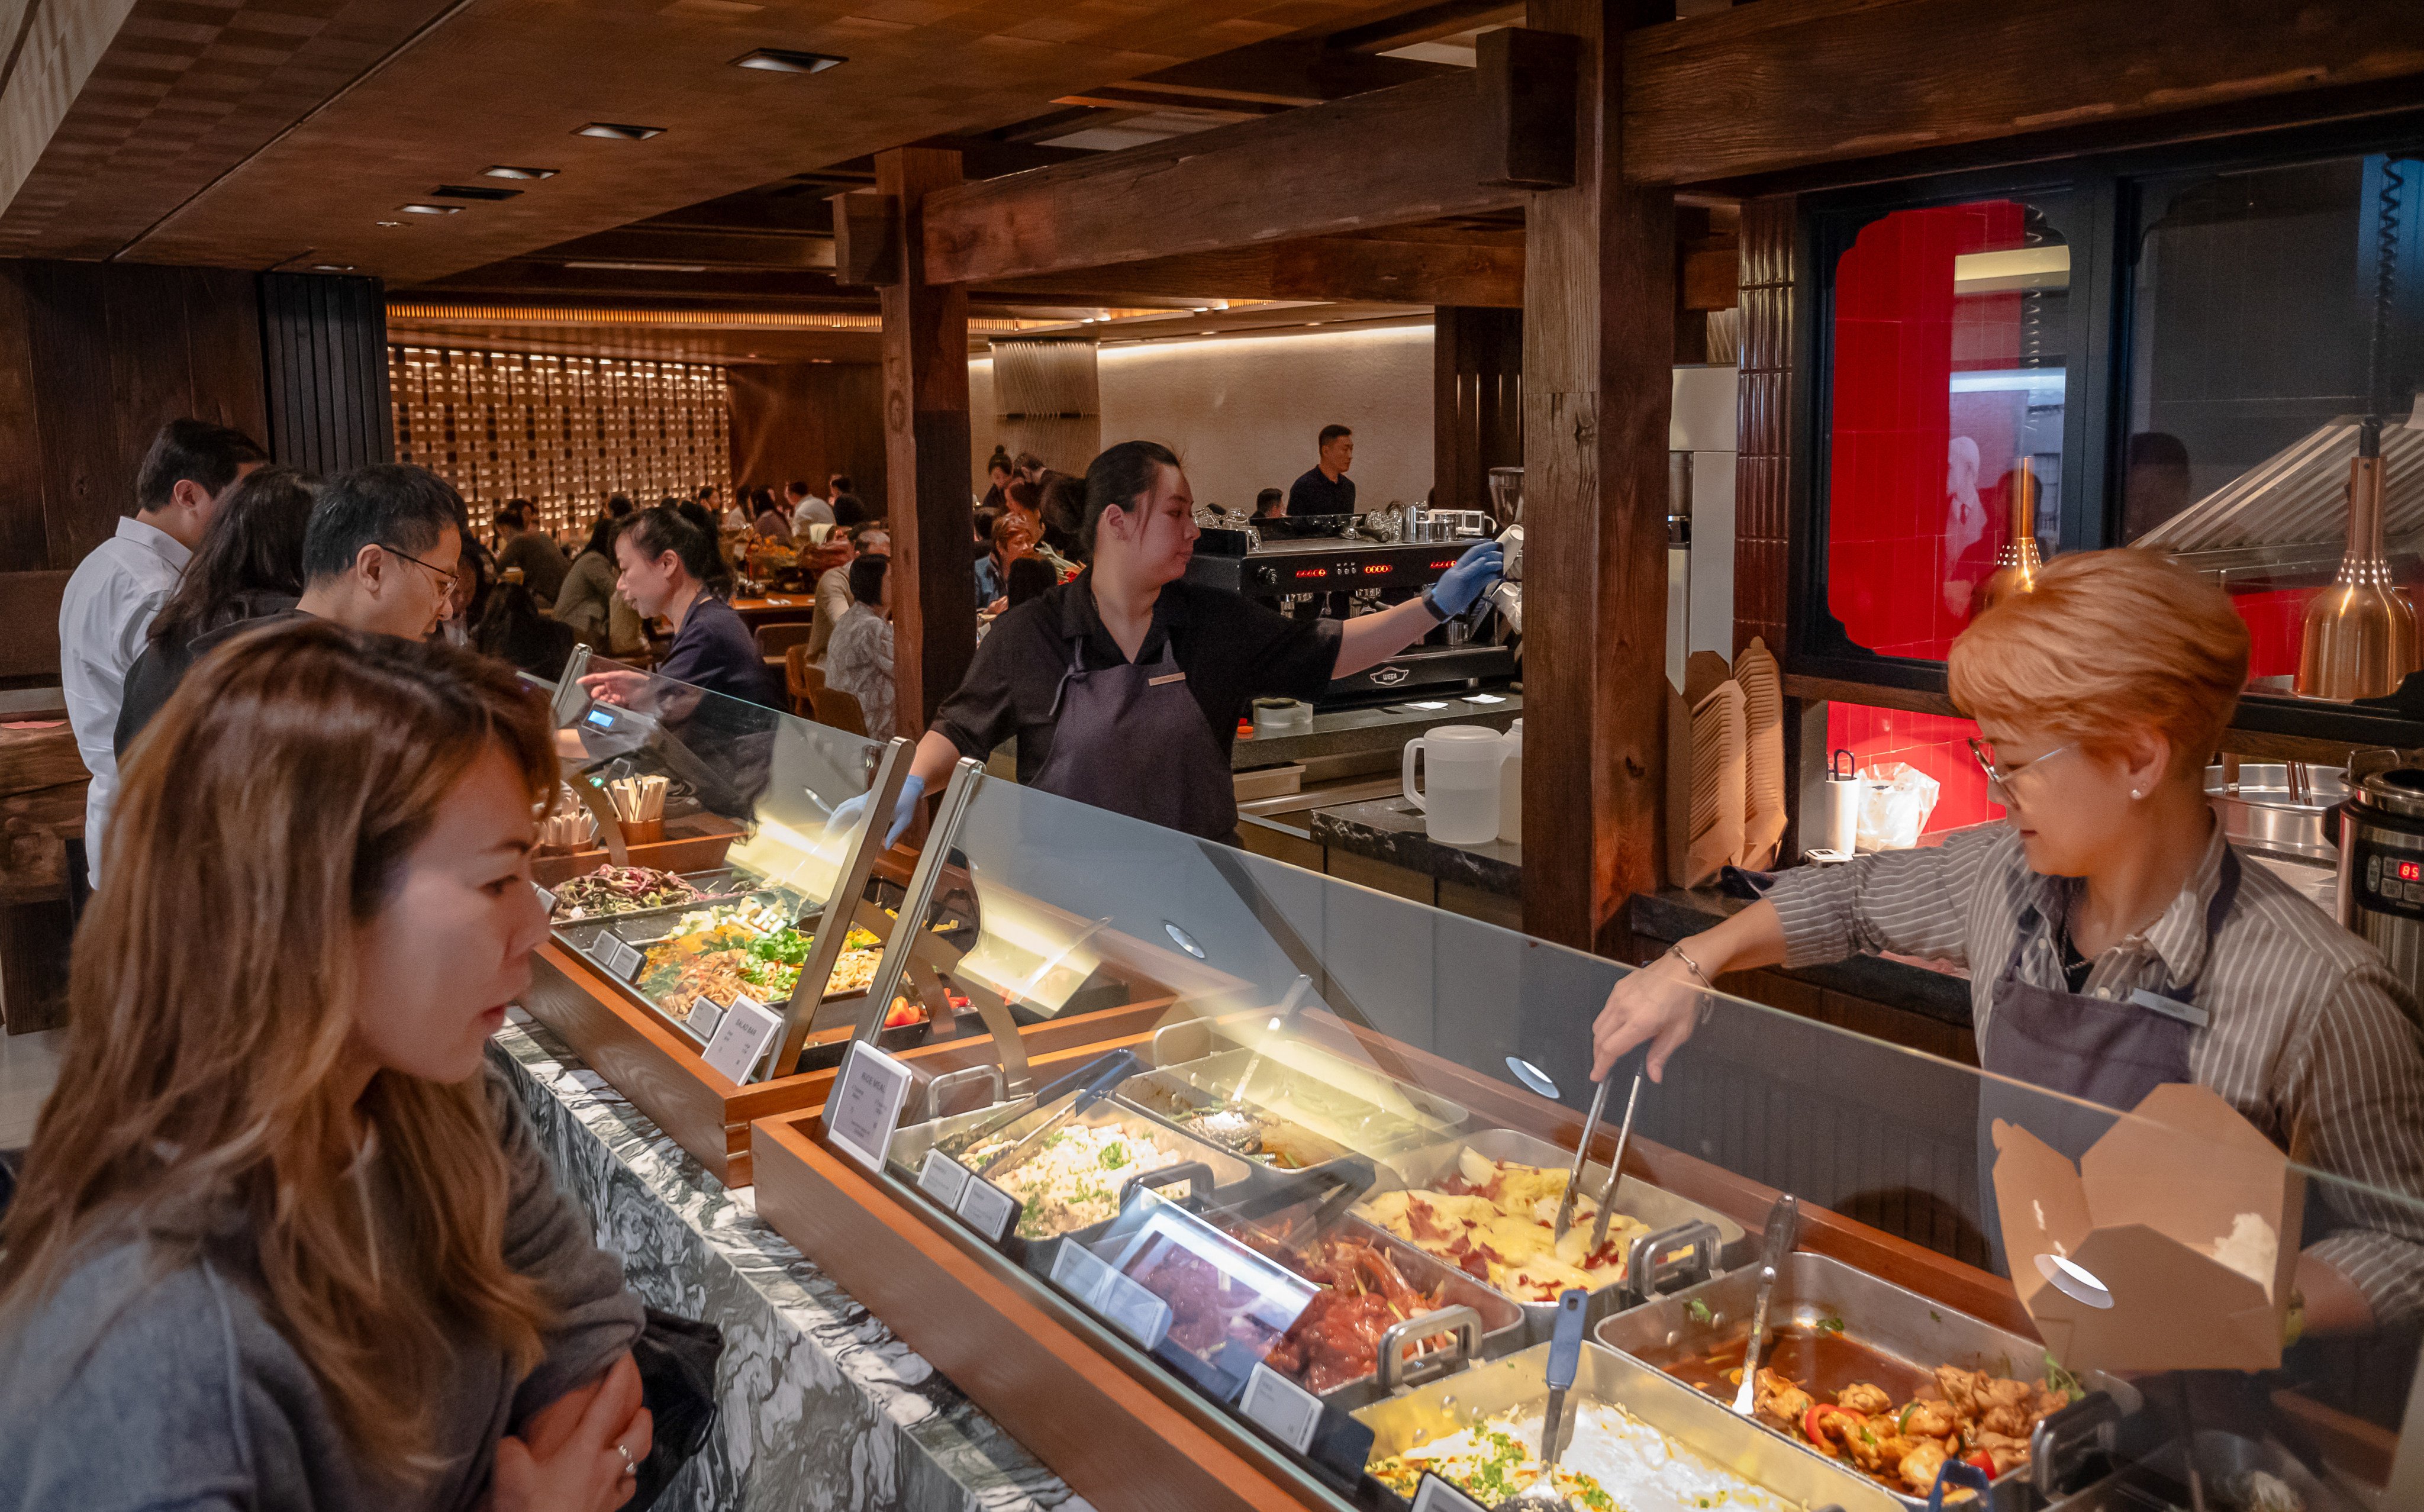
[{"x": 2388, "y": 882}]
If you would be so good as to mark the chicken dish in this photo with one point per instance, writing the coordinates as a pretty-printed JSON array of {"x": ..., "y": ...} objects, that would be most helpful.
[
  {"x": 1496, "y": 1220},
  {"x": 619, "y": 890},
  {"x": 1983, "y": 1419},
  {"x": 1337, "y": 1337}
]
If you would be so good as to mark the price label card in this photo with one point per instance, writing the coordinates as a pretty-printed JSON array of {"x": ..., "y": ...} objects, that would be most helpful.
[
  {"x": 621, "y": 957},
  {"x": 943, "y": 1179},
  {"x": 1436, "y": 1495},
  {"x": 1135, "y": 1311},
  {"x": 546, "y": 898},
  {"x": 1079, "y": 1272},
  {"x": 987, "y": 1209},
  {"x": 740, "y": 1039},
  {"x": 865, "y": 1107},
  {"x": 705, "y": 1017},
  {"x": 1286, "y": 1409}
]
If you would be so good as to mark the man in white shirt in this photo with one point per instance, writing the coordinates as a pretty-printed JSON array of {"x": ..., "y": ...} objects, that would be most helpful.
[
  {"x": 115, "y": 590},
  {"x": 806, "y": 508}
]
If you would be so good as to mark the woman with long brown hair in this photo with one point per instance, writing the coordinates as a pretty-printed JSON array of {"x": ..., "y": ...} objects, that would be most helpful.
[{"x": 281, "y": 1242}]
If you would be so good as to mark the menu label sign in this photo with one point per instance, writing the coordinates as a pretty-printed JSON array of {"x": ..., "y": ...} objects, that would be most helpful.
[
  {"x": 704, "y": 1017},
  {"x": 621, "y": 957},
  {"x": 865, "y": 1107},
  {"x": 1436, "y": 1495},
  {"x": 987, "y": 1209},
  {"x": 1279, "y": 1405},
  {"x": 1118, "y": 1301},
  {"x": 740, "y": 1039},
  {"x": 546, "y": 898},
  {"x": 943, "y": 1179}
]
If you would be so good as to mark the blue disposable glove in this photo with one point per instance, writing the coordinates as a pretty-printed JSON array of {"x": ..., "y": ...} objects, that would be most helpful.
[
  {"x": 1471, "y": 578},
  {"x": 912, "y": 789}
]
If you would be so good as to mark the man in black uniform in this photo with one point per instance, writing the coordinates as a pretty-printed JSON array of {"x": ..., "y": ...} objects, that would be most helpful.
[
  {"x": 1327, "y": 489},
  {"x": 1125, "y": 685}
]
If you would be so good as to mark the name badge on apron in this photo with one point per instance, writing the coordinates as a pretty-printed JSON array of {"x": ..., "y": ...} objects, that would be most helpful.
[
  {"x": 2188, "y": 1013},
  {"x": 1165, "y": 677}
]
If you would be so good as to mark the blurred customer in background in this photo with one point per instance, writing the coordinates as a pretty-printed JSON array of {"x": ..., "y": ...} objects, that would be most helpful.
[
  {"x": 540, "y": 559},
  {"x": 859, "y": 661}
]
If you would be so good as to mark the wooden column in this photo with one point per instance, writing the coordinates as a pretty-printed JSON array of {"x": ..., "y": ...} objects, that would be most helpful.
[
  {"x": 1476, "y": 401},
  {"x": 925, "y": 445},
  {"x": 1599, "y": 340},
  {"x": 1763, "y": 423}
]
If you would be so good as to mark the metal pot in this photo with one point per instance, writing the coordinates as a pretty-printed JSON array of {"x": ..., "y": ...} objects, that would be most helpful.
[{"x": 2381, "y": 829}]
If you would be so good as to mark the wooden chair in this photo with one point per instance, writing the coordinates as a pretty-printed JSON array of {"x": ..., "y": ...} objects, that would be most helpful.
[
  {"x": 803, "y": 678},
  {"x": 777, "y": 640},
  {"x": 840, "y": 710}
]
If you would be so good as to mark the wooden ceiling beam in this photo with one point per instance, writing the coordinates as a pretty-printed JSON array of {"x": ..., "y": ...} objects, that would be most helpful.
[
  {"x": 1324, "y": 268},
  {"x": 1729, "y": 95},
  {"x": 767, "y": 250},
  {"x": 1461, "y": 144}
]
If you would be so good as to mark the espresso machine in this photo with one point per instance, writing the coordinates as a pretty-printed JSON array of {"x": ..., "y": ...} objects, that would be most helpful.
[{"x": 1342, "y": 565}]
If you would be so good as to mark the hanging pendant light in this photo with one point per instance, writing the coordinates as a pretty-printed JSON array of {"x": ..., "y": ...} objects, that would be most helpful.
[{"x": 2017, "y": 563}]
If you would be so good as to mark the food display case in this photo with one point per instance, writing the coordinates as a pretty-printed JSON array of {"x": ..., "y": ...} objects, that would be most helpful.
[
  {"x": 684, "y": 986},
  {"x": 1295, "y": 1237}
]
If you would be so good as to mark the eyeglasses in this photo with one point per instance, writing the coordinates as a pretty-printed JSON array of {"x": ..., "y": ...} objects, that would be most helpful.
[
  {"x": 1982, "y": 752},
  {"x": 446, "y": 579}
]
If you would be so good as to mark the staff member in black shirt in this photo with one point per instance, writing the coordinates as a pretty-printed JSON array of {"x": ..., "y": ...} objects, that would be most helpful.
[
  {"x": 1124, "y": 684},
  {"x": 1327, "y": 489}
]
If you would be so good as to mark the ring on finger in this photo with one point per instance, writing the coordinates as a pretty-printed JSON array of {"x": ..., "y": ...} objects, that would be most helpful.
[{"x": 631, "y": 1465}]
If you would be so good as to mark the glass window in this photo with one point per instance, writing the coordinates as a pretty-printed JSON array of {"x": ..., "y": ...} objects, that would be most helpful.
[
  {"x": 2271, "y": 311},
  {"x": 1945, "y": 440}
]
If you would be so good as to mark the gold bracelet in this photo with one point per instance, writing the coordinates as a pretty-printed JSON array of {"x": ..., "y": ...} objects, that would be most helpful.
[{"x": 1677, "y": 951}]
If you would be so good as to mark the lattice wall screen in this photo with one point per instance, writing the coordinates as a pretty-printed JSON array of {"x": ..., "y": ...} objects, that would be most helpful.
[{"x": 563, "y": 431}]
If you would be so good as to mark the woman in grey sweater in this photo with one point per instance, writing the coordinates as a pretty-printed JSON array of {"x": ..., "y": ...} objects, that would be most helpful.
[{"x": 281, "y": 1244}]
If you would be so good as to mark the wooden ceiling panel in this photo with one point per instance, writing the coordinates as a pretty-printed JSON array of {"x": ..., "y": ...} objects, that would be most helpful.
[
  {"x": 182, "y": 94},
  {"x": 508, "y": 81}
]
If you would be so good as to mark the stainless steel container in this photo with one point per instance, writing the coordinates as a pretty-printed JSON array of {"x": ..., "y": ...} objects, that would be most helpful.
[
  {"x": 1673, "y": 1218},
  {"x": 1876, "y": 1316},
  {"x": 2380, "y": 893},
  {"x": 1356, "y": 1105},
  {"x": 1607, "y": 1379},
  {"x": 2281, "y": 808}
]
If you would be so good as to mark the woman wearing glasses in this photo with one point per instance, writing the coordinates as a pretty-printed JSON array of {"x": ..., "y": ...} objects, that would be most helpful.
[{"x": 2114, "y": 940}]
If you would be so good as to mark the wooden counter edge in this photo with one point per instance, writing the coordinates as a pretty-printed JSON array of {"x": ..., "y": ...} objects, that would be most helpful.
[{"x": 1107, "y": 1434}]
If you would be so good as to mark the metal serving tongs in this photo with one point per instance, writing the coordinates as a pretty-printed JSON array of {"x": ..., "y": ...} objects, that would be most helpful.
[
  {"x": 1093, "y": 1083},
  {"x": 1783, "y": 1228},
  {"x": 1564, "y": 1363},
  {"x": 1615, "y": 1167}
]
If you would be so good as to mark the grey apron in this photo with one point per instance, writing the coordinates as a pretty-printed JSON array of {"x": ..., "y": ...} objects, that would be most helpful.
[
  {"x": 2100, "y": 1050},
  {"x": 1133, "y": 739}
]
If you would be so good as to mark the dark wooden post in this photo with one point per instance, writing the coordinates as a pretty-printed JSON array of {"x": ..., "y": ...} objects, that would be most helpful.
[
  {"x": 925, "y": 445},
  {"x": 1599, "y": 341}
]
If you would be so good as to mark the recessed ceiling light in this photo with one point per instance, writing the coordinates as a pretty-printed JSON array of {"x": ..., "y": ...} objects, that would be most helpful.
[
  {"x": 506, "y": 170},
  {"x": 431, "y": 210},
  {"x": 332, "y": 267},
  {"x": 473, "y": 191},
  {"x": 614, "y": 133},
  {"x": 397, "y": 223},
  {"x": 786, "y": 60}
]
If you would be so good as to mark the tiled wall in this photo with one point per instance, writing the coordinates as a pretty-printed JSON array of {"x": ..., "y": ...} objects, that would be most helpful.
[
  {"x": 1933, "y": 743},
  {"x": 1899, "y": 333},
  {"x": 563, "y": 431}
]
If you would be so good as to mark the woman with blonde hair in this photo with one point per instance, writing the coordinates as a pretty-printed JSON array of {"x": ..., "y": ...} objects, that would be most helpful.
[
  {"x": 2115, "y": 940},
  {"x": 281, "y": 1243}
]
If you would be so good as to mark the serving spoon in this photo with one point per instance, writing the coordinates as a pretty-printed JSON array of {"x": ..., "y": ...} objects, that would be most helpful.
[{"x": 1564, "y": 1363}]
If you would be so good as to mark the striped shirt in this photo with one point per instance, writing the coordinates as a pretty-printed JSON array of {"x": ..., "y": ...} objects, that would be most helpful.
[{"x": 2308, "y": 1035}]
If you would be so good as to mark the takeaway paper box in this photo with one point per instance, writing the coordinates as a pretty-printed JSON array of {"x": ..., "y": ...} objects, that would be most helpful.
[{"x": 2115, "y": 1260}]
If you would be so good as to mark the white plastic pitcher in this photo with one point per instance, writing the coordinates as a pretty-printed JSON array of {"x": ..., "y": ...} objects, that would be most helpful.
[{"x": 1460, "y": 793}]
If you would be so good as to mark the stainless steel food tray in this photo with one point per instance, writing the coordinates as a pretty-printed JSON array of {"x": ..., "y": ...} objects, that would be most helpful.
[
  {"x": 1607, "y": 1378},
  {"x": 907, "y": 1152},
  {"x": 1353, "y": 1106},
  {"x": 1502, "y": 1321},
  {"x": 2160, "y": 1482},
  {"x": 720, "y": 884},
  {"x": 1880, "y": 1316},
  {"x": 1662, "y": 1210},
  {"x": 584, "y": 935}
]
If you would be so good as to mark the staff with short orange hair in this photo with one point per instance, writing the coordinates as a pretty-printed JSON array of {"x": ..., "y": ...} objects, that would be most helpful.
[{"x": 2115, "y": 940}]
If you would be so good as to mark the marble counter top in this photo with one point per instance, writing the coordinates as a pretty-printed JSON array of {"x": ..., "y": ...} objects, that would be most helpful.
[
  {"x": 822, "y": 1407},
  {"x": 1350, "y": 731},
  {"x": 1391, "y": 830}
]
